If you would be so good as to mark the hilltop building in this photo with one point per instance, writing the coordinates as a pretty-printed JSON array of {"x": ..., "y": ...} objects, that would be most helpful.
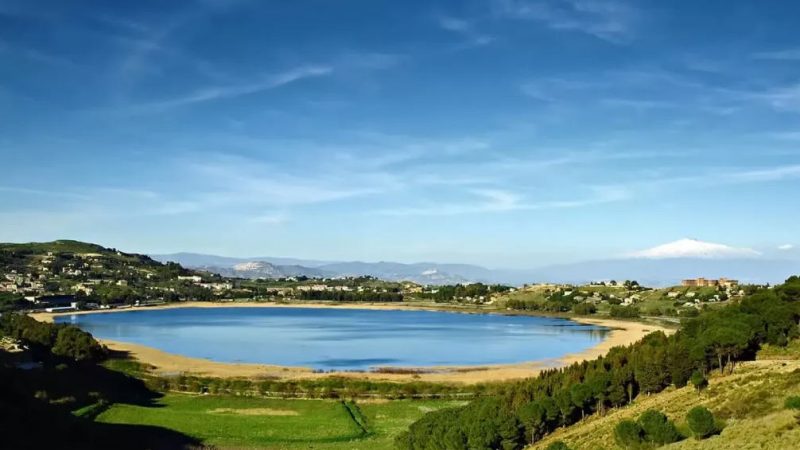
[{"x": 703, "y": 282}]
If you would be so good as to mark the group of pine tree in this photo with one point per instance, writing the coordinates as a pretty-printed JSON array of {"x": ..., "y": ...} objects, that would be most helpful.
[{"x": 528, "y": 410}]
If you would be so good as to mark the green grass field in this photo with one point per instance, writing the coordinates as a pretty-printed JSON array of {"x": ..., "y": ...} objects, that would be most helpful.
[{"x": 242, "y": 422}]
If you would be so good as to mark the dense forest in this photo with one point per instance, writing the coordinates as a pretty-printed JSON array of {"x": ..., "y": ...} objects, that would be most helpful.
[{"x": 528, "y": 410}]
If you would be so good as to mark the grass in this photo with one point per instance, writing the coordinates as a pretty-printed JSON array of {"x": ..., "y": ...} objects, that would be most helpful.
[
  {"x": 245, "y": 422},
  {"x": 748, "y": 403},
  {"x": 791, "y": 351}
]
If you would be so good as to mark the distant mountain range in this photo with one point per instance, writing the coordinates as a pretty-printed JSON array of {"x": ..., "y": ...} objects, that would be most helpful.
[
  {"x": 663, "y": 265},
  {"x": 271, "y": 267}
]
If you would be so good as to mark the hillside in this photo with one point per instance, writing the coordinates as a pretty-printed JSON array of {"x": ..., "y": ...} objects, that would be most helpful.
[
  {"x": 601, "y": 298},
  {"x": 90, "y": 273},
  {"x": 749, "y": 402},
  {"x": 77, "y": 275}
]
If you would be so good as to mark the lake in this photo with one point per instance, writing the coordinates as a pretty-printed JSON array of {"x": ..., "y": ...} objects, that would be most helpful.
[{"x": 344, "y": 339}]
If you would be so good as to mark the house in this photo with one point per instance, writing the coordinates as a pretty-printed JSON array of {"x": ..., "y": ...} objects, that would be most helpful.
[
  {"x": 56, "y": 309},
  {"x": 192, "y": 278},
  {"x": 703, "y": 282},
  {"x": 55, "y": 303}
]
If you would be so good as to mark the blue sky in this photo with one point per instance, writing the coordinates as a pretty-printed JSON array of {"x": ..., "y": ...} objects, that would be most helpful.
[{"x": 510, "y": 133}]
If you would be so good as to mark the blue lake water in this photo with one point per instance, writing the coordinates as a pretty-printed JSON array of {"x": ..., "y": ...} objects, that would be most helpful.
[{"x": 344, "y": 339}]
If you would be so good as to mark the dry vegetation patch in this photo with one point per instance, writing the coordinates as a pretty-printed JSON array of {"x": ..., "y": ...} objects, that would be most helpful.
[
  {"x": 748, "y": 402},
  {"x": 254, "y": 411}
]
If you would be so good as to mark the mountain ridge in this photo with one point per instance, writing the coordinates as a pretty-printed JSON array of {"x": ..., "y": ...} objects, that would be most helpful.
[{"x": 662, "y": 265}]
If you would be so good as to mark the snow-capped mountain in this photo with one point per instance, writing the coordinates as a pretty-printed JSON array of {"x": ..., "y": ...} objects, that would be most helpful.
[{"x": 693, "y": 248}]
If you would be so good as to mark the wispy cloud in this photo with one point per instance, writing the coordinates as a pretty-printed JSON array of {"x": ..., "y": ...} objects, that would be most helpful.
[
  {"x": 270, "y": 219},
  {"x": 36, "y": 55},
  {"x": 784, "y": 135},
  {"x": 232, "y": 180},
  {"x": 782, "y": 98},
  {"x": 790, "y": 54},
  {"x": 43, "y": 193},
  {"x": 609, "y": 20},
  {"x": 785, "y": 247},
  {"x": 503, "y": 201},
  {"x": 637, "y": 103},
  {"x": 720, "y": 176},
  {"x": 368, "y": 60},
  {"x": 232, "y": 90},
  {"x": 466, "y": 29}
]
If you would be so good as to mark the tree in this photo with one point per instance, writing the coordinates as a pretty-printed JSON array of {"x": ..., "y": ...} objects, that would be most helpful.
[
  {"x": 581, "y": 395},
  {"x": 566, "y": 407},
  {"x": 679, "y": 362},
  {"x": 628, "y": 434},
  {"x": 792, "y": 402},
  {"x": 657, "y": 428},
  {"x": 76, "y": 344},
  {"x": 533, "y": 417},
  {"x": 584, "y": 309},
  {"x": 650, "y": 363},
  {"x": 701, "y": 422},
  {"x": 698, "y": 380},
  {"x": 627, "y": 312},
  {"x": 558, "y": 445}
]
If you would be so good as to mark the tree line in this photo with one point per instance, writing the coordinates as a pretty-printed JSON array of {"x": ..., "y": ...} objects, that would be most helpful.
[
  {"x": 528, "y": 410},
  {"x": 350, "y": 296},
  {"x": 48, "y": 340},
  {"x": 448, "y": 293}
]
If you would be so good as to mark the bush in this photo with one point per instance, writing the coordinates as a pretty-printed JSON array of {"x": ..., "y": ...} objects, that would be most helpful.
[
  {"x": 558, "y": 445},
  {"x": 698, "y": 380},
  {"x": 657, "y": 428},
  {"x": 701, "y": 422},
  {"x": 76, "y": 344},
  {"x": 624, "y": 311},
  {"x": 628, "y": 434},
  {"x": 792, "y": 402},
  {"x": 584, "y": 309}
]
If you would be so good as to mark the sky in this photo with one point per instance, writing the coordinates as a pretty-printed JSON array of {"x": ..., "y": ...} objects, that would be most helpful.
[{"x": 507, "y": 133}]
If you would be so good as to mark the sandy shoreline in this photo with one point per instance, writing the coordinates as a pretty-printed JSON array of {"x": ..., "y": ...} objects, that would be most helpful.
[{"x": 622, "y": 333}]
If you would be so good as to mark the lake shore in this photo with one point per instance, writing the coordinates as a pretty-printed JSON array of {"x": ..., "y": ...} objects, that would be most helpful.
[{"x": 163, "y": 363}]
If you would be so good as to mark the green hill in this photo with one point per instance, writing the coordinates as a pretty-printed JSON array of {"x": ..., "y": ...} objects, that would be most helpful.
[
  {"x": 92, "y": 273},
  {"x": 749, "y": 403},
  {"x": 59, "y": 246}
]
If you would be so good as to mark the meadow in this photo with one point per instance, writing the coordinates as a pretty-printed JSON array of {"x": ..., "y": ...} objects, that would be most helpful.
[{"x": 248, "y": 422}]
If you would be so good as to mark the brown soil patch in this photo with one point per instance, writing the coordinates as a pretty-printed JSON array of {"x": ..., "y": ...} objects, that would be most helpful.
[{"x": 254, "y": 412}]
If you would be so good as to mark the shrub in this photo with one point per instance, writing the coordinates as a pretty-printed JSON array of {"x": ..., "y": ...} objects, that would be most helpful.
[
  {"x": 701, "y": 422},
  {"x": 657, "y": 428},
  {"x": 558, "y": 445},
  {"x": 792, "y": 402},
  {"x": 698, "y": 380},
  {"x": 624, "y": 311},
  {"x": 628, "y": 434},
  {"x": 76, "y": 344},
  {"x": 584, "y": 309}
]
